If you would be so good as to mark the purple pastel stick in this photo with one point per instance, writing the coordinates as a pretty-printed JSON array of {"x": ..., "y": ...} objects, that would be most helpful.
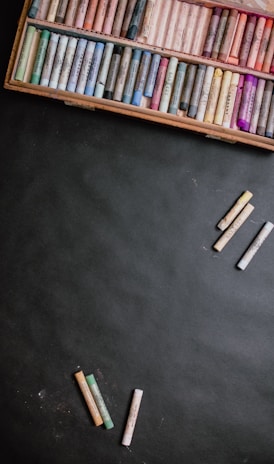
[
  {"x": 212, "y": 30},
  {"x": 242, "y": 120}
]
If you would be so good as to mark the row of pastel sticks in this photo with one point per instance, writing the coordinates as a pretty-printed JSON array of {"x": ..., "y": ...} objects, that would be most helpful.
[
  {"x": 117, "y": 17},
  {"x": 220, "y": 33},
  {"x": 141, "y": 78},
  {"x": 98, "y": 409},
  {"x": 241, "y": 39}
]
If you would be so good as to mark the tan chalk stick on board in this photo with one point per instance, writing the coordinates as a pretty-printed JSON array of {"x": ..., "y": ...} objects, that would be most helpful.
[
  {"x": 234, "y": 211},
  {"x": 232, "y": 229}
]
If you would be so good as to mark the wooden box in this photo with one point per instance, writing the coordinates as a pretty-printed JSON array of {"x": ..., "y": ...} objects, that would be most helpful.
[{"x": 180, "y": 33}]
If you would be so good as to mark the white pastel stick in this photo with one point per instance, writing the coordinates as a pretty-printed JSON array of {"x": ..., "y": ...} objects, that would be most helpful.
[
  {"x": 255, "y": 245},
  {"x": 132, "y": 417}
]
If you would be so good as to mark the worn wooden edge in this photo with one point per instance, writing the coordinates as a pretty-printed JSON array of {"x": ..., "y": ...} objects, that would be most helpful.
[{"x": 93, "y": 103}]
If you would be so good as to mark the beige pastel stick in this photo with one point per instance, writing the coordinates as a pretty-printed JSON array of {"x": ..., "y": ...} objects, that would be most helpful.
[
  {"x": 83, "y": 385},
  {"x": 231, "y": 96},
  {"x": 213, "y": 95},
  {"x": 174, "y": 12},
  {"x": 163, "y": 23},
  {"x": 201, "y": 31},
  {"x": 220, "y": 108},
  {"x": 234, "y": 226},
  {"x": 32, "y": 55},
  {"x": 255, "y": 245},
  {"x": 234, "y": 211},
  {"x": 180, "y": 26},
  {"x": 132, "y": 417}
]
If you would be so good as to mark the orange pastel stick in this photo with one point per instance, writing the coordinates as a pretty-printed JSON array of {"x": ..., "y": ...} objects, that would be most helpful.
[
  {"x": 236, "y": 44},
  {"x": 232, "y": 60},
  {"x": 247, "y": 39},
  {"x": 90, "y": 402},
  {"x": 100, "y": 16},
  {"x": 90, "y": 14},
  {"x": 256, "y": 41},
  {"x": 264, "y": 43}
]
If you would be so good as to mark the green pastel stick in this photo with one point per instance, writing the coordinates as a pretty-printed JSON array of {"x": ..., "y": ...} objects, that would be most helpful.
[
  {"x": 99, "y": 400},
  {"x": 22, "y": 63},
  {"x": 39, "y": 60}
]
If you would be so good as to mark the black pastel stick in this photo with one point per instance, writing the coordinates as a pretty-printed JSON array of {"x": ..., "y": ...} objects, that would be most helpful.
[
  {"x": 188, "y": 86},
  {"x": 136, "y": 19},
  {"x": 113, "y": 72}
]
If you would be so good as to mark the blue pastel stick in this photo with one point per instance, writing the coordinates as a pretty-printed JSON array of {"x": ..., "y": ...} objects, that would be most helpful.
[
  {"x": 76, "y": 65},
  {"x": 132, "y": 74},
  {"x": 141, "y": 78},
  {"x": 152, "y": 74},
  {"x": 94, "y": 69}
]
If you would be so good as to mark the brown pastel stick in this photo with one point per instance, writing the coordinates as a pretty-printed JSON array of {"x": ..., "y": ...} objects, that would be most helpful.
[
  {"x": 234, "y": 211},
  {"x": 234, "y": 226},
  {"x": 229, "y": 34},
  {"x": 127, "y": 17},
  {"x": 83, "y": 385}
]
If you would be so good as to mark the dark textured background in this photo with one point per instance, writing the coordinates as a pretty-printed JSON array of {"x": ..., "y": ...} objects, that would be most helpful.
[{"x": 107, "y": 227}]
